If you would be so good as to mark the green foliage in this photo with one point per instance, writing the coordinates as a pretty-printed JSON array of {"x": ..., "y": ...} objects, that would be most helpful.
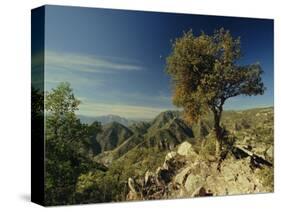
[
  {"x": 103, "y": 186},
  {"x": 205, "y": 73},
  {"x": 208, "y": 147},
  {"x": 37, "y": 114},
  {"x": 37, "y": 102},
  {"x": 61, "y": 100},
  {"x": 141, "y": 159},
  {"x": 112, "y": 185},
  {"x": 67, "y": 144},
  {"x": 90, "y": 188}
]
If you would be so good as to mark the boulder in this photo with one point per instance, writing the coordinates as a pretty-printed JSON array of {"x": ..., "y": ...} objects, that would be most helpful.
[
  {"x": 260, "y": 149},
  {"x": 186, "y": 149},
  {"x": 173, "y": 162},
  {"x": 170, "y": 155},
  {"x": 132, "y": 185},
  {"x": 235, "y": 177},
  {"x": 181, "y": 177},
  {"x": 216, "y": 184},
  {"x": 269, "y": 153},
  {"x": 193, "y": 182}
]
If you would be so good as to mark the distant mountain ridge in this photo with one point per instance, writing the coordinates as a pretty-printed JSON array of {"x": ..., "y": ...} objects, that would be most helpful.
[
  {"x": 164, "y": 132},
  {"x": 106, "y": 119},
  {"x": 113, "y": 135}
]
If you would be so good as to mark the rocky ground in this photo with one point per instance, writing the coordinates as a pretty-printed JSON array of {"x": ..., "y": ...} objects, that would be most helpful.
[
  {"x": 191, "y": 170},
  {"x": 186, "y": 174}
]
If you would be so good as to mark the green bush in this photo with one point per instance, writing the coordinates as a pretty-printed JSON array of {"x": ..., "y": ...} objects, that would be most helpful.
[{"x": 208, "y": 147}]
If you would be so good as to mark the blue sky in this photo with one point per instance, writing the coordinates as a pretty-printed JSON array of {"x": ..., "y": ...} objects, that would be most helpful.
[{"x": 115, "y": 59}]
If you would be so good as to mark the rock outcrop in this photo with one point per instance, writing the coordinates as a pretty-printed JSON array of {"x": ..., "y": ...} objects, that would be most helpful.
[{"x": 185, "y": 174}]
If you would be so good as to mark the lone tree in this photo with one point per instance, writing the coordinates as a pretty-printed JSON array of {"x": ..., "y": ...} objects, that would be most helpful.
[{"x": 205, "y": 73}]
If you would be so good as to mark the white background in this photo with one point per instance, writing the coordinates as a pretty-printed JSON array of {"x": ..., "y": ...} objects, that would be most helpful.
[{"x": 15, "y": 103}]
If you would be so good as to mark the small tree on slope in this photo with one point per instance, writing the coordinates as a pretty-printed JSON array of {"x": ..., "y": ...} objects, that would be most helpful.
[{"x": 205, "y": 73}]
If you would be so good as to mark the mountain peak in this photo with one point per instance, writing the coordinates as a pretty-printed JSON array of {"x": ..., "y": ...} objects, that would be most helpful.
[
  {"x": 105, "y": 119},
  {"x": 163, "y": 118},
  {"x": 113, "y": 134},
  {"x": 114, "y": 124}
]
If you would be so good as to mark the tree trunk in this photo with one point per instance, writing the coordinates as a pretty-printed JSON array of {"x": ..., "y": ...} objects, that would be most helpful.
[{"x": 218, "y": 132}]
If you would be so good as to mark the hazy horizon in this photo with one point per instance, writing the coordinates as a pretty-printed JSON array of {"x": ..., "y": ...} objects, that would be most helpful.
[{"x": 175, "y": 109}]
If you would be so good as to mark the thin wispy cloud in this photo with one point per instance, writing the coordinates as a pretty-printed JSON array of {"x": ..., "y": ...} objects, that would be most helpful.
[
  {"x": 88, "y": 75},
  {"x": 55, "y": 77},
  {"x": 75, "y": 62},
  {"x": 82, "y": 70}
]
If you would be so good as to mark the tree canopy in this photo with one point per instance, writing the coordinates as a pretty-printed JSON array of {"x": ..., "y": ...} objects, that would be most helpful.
[
  {"x": 67, "y": 145},
  {"x": 205, "y": 72}
]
